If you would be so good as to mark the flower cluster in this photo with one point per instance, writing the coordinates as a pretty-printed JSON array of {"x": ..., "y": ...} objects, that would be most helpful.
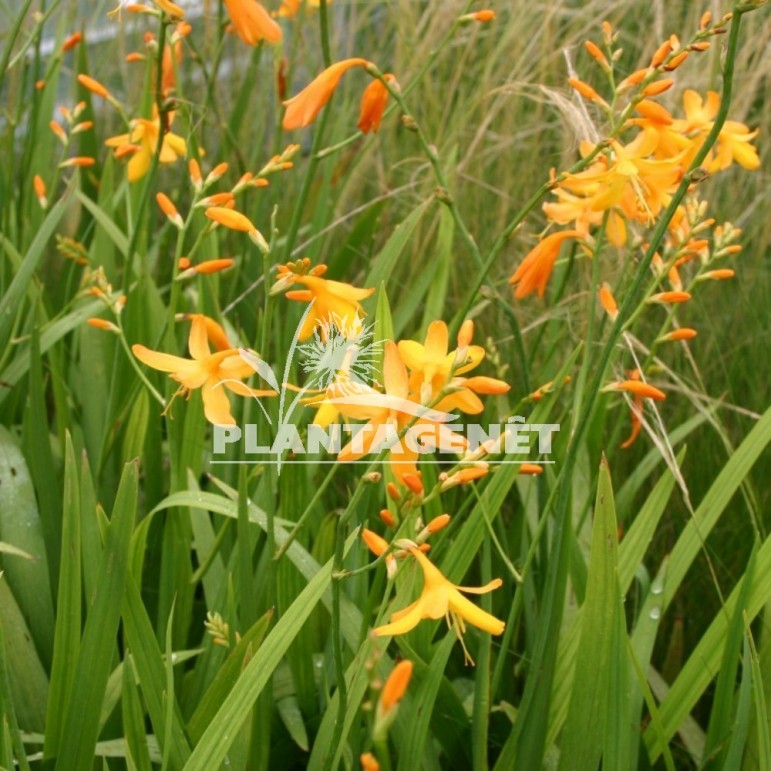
[{"x": 630, "y": 176}]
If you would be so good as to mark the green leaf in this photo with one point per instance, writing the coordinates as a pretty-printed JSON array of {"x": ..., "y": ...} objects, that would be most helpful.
[
  {"x": 383, "y": 265},
  {"x": 227, "y": 677},
  {"x": 10, "y": 301},
  {"x": 134, "y": 719},
  {"x": 21, "y": 527},
  {"x": 148, "y": 662},
  {"x": 721, "y": 718},
  {"x": 11, "y": 741},
  {"x": 28, "y": 680},
  {"x": 98, "y": 643},
  {"x": 68, "y": 607},
  {"x": 117, "y": 236},
  {"x": 212, "y": 749},
  {"x": 591, "y": 725},
  {"x": 704, "y": 662}
]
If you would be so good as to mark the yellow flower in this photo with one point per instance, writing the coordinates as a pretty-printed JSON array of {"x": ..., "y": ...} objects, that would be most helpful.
[
  {"x": 252, "y": 22},
  {"x": 393, "y": 409},
  {"x": 144, "y": 135},
  {"x": 441, "y": 598},
  {"x": 206, "y": 370},
  {"x": 171, "y": 9},
  {"x": 534, "y": 271},
  {"x": 733, "y": 142},
  {"x": 431, "y": 363},
  {"x": 633, "y": 181},
  {"x": 433, "y": 369},
  {"x": 334, "y": 302},
  {"x": 301, "y": 110}
]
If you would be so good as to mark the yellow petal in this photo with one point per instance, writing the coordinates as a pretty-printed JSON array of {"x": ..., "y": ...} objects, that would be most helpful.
[
  {"x": 394, "y": 372},
  {"x": 475, "y": 615},
  {"x": 139, "y": 163},
  {"x": 198, "y": 342},
  {"x": 164, "y": 362},
  {"x": 413, "y": 354},
  {"x": 496, "y": 583},
  {"x": 216, "y": 406},
  {"x": 436, "y": 341},
  {"x": 404, "y": 624}
]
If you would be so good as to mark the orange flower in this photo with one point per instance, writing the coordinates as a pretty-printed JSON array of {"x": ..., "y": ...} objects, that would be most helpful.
[
  {"x": 96, "y": 323},
  {"x": 586, "y": 90},
  {"x": 734, "y": 139},
  {"x": 534, "y": 271},
  {"x": 206, "y": 370},
  {"x": 368, "y": 760},
  {"x": 168, "y": 74},
  {"x": 531, "y": 468},
  {"x": 195, "y": 174},
  {"x": 40, "y": 190},
  {"x": 594, "y": 51},
  {"x": 230, "y": 219},
  {"x": 684, "y": 333},
  {"x": 637, "y": 388},
  {"x": 213, "y": 266},
  {"x": 252, "y": 22},
  {"x": 237, "y": 221},
  {"x": 217, "y": 200},
  {"x": 669, "y": 298},
  {"x": 80, "y": 161},
  {"x": 373, "y": 104},
  {"x": 718, "y": 275},
  {"x": 301, "y": 110},
  {"x": 170, "y": 9},
  {"x": 387, "y": 518},
  {"x": 71, "y": 41},
  {"x": 168, "y": 208},
  {"x": 438, "y": 523},
  {"x": 442, "y": 599},
  {"x": 483, "y": 16},
  {"x": 334, "y": 303},
  {"x": 636, "y": 412},
  {"x": 431, "y": 365},
  {"x": 395, "y": 687},
  {"x": 144, "y": 136},
  {"x": 608, "y": 301},
  {"x": 464, "y": 476},
  {"x": 94, "y": 86},
  {"x": 658, "y": 87}
]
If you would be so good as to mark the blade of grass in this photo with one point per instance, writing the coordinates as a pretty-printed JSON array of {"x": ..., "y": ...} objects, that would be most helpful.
[{"x": 98, "y": 644}]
